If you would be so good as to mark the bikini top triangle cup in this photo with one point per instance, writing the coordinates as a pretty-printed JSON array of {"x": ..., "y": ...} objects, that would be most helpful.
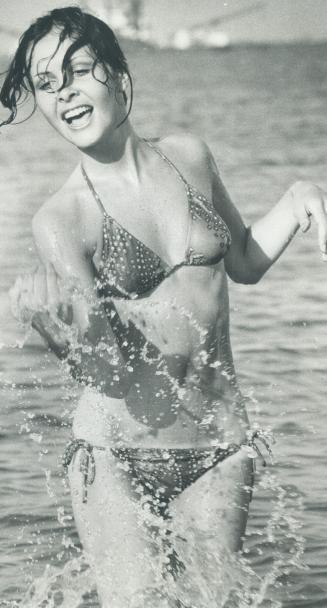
[{"x": 130, "y": 269}]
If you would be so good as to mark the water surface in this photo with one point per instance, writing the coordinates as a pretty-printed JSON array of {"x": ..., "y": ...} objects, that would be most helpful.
[{"x": 263, "y": 112}]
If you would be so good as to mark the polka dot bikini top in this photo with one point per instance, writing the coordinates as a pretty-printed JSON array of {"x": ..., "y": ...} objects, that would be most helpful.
[{"x": 130, "y": 269}]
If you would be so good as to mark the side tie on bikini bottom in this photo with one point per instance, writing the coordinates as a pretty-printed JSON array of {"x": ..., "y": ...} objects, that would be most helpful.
[{"x": 87, "y": 462}]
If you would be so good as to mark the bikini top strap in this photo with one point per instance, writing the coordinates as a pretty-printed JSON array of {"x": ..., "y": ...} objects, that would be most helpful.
[
  {"x": 93, "y": 190},
  {"x": 153, "y": 147},
  {"x": 167, "y": 160}
]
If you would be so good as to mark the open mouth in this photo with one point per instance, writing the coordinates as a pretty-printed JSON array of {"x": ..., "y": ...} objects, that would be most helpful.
[{"x": 78, "y": 117}]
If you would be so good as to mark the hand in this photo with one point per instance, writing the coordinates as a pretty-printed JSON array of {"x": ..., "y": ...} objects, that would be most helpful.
[
  {"x": 40, "y": 300},
  {"x": 40, "y": 293},
  {"x": 309, "y": 201}
]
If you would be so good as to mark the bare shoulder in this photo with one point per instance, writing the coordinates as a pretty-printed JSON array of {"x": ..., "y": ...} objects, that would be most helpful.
[
  {"x": 191, "y": 155},
  {"x": 60, "y": 207},
  {"x": 59, "y": 218}
]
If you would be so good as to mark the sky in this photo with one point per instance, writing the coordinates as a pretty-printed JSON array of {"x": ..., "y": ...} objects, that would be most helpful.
[{"x": 277, "y": 20}]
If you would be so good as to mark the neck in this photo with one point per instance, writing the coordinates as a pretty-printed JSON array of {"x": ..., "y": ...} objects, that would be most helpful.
[{"x": 119, "y": 153}]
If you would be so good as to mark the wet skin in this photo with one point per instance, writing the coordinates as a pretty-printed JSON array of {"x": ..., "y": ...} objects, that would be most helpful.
[
  {"x": 184, "y": 392},
  {"x": 85, "y": 88},
  {"x": 182, "y": 389},
  {"x": 176, "y": 338}
]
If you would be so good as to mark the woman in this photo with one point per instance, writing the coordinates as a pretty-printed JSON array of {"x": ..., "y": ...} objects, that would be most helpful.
[{"x": 132, "y": 294}]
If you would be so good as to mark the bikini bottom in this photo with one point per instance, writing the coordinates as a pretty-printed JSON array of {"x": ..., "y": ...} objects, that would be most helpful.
[
  {"x": 165, "y": 473},
  {"x": 161, "y": 473}
]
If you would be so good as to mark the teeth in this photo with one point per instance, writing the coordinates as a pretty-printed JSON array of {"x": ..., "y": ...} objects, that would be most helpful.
[{"x": 71, "y": 114}]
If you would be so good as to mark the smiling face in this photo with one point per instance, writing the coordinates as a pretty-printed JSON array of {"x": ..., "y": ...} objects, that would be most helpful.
[{"x": 87, "y": 109}]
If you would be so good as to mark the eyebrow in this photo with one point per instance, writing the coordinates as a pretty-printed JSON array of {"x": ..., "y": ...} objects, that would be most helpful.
[{"x": 40, "y": 75}]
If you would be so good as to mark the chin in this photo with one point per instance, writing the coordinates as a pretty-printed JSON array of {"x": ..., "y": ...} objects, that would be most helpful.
[
  {"x": 88, "y": 138},
  {"x": 81, "y": 139}
]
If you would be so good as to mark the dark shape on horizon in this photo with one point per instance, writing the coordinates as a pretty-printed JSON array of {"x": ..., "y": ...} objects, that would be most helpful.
[{"x": 207, "y": 33}]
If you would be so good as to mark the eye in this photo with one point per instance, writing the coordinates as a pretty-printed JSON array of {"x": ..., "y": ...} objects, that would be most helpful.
[
  {"x": 46, "y": 85},
  {"x": 81, "y": 71}
]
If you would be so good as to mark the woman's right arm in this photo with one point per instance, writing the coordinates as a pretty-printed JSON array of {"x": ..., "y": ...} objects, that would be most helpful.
[{"x": 94, "y": 356}]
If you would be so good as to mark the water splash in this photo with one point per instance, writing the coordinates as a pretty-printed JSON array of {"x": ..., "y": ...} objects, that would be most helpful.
[
  {"x": 190, "y": 573},
  {"x": 66, "y": 587},
  {"x": 186, "y": 574},
  {"x": 282, "y": 539}
]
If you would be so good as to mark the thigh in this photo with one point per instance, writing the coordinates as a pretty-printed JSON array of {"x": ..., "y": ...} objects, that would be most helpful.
[
  {"x": 116, "y": 531},
  {"x": 208, "y": 521},
  {"x": 216, "y": 506}
]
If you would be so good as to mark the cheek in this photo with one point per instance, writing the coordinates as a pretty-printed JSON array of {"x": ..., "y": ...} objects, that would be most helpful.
[
  {"x": 46, "y": 106},
  {"x": 47, "y": 110},
  {"x": 102, "y": 95}
]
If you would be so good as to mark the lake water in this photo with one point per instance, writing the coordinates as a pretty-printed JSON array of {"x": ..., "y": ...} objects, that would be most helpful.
[{"x": 263, "y": 112}]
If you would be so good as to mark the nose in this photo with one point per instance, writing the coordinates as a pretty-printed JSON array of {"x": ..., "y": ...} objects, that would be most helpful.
[{"x": 67, "y": 94}]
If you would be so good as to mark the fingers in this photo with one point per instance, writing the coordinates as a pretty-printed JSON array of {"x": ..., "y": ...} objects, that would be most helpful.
[
  {"x": 40, "y": 291},
  {"x": 30, "y": 294},
  {"x": 26, "y": 299},
  {"x": 14, "y": 296},
  {"x": 309, "y": 200},
  {"x": 52, "y": 289},
  {"x": 40, "y": 288},
  {"x": 303, "y": 218},
  {"x": 58, "y": 304},
  {"x": 22, "y": 298},
  {"x": 319, "y": 213}
]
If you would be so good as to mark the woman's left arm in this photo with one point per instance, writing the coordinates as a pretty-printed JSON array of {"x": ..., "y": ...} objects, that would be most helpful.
[{"x": 255, "y": 248}]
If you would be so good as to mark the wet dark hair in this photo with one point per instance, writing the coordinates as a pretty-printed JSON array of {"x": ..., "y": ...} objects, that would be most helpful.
[{"x": 85, "y": 30}]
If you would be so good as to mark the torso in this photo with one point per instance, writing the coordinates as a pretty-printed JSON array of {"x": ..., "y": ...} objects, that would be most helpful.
[
  {"x": 171, "y": 320},
  {"x": 129, "y": 268}
]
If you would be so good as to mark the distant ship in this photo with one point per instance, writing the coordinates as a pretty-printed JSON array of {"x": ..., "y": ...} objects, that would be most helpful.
[{"x": 208, "y": 34}]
